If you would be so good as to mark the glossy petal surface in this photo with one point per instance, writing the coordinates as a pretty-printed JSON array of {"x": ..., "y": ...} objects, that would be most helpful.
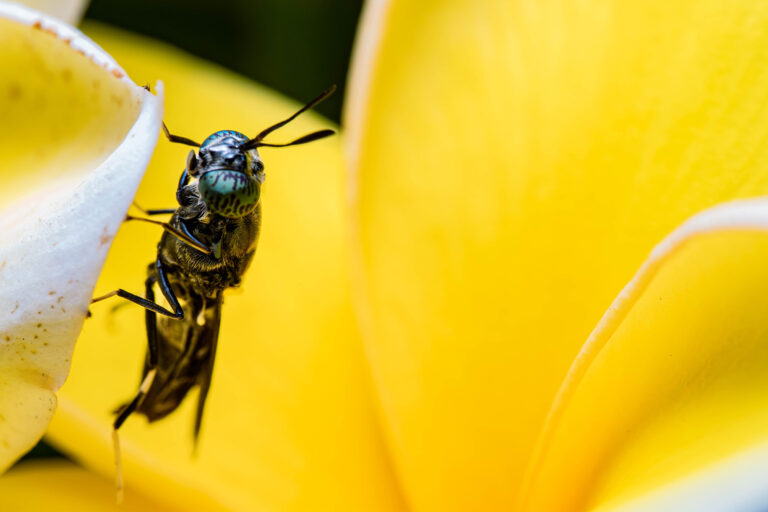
[
  {"x": 665, "y": 408},
  {"x": 77, "y": 135},
  {"x": 288, "y": 425},
  {"x": 513, "y": 165}
]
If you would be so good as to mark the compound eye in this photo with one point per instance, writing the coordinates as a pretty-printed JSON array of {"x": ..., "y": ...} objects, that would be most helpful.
[{"x": 229, "y": 193}]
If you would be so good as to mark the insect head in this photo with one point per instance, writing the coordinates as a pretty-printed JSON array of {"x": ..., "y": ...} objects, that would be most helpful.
[{"x": 228, "y": 166}]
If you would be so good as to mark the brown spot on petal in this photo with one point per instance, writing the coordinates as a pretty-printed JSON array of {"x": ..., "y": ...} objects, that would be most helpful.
[
  {"x": 105, "y": 237},
  {"x": 117, "y": 73},
  {"x": 48, "y": 30}
]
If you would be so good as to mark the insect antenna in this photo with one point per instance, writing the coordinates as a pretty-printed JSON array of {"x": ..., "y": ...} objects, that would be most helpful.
[
  {"x": 179, "y": 139},
  {"x": 301, "y": 140},
  {"x": 256, "y": 141}
]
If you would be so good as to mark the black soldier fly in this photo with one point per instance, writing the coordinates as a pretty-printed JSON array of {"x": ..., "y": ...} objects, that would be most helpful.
[{"x": 205, "y": 248}]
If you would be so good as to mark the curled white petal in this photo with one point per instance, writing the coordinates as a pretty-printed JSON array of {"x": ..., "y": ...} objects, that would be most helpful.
[
  {"x": 53, "y": 244},
  {"x": 69, "y": 11}
]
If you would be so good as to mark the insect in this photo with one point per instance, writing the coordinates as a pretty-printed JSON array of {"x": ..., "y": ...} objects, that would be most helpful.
[{"x": 206, "y": 247}]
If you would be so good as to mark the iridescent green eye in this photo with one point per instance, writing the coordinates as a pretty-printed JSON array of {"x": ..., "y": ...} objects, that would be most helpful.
[{"x": 229, "y": 193}]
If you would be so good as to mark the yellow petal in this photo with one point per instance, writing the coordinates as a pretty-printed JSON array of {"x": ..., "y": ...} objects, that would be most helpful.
[
  {"x": 667, "y": 406},
  {"x": 736, "y": 483},
  {"x": 513, "y": 165},
  {"x": 81, "y": 133},
  {"x": 59, "y": 485},
  {"x": 289, "y": 422}
]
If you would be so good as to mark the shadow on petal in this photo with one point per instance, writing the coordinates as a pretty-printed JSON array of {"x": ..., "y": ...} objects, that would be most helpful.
[{"x": 59, "y": 485}]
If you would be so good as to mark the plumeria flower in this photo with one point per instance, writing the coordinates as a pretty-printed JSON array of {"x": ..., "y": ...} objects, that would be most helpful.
[
  {"x": 77, "y": 136},
  {"x": 536, "y": 281}
]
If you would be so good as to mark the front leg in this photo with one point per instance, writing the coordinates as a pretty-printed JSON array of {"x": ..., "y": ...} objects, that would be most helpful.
[
  {"x": 183, "y": 234},
  {"x": 150, "y": 304},
  {"x": 158, "y": 211}
]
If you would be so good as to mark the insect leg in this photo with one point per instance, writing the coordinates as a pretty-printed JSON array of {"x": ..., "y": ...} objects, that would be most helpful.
[
  {"x": 174, "y": 138},
  {"x": 165, "y": 287},
  {"x": 151, "y": 324},
  {"x": 148, "y": 303},
  {"x": 150, "y": 320},
  {"x": 158, "y": 211},
  {"x": 146, "y": 383},
  {"x": 185, "y": 235},
  {"x": 183, "y": 180}
]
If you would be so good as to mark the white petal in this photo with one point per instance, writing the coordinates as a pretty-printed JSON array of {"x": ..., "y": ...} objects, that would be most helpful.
[
  {"x": 54, "y": 240},
  {"x": 69, "y": 11}
]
